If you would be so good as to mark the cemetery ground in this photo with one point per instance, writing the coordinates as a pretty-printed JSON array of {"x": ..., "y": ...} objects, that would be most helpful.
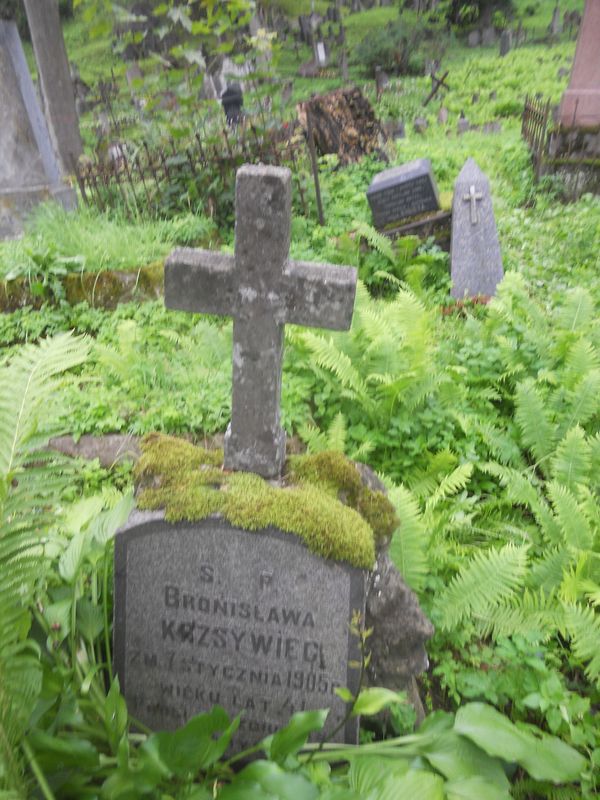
[{"x": 480, "y": 418}]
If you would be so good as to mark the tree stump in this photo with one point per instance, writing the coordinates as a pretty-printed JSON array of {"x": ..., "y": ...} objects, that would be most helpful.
[{"x": 344, "y": 123}]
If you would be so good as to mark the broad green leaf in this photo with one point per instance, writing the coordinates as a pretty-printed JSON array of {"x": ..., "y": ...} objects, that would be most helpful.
[
  {"x": 345, "y": 694},
  {"x": 106, "y": 524},
  {"x": 373, "y": 700},
  {"x": 546, "y": 758},
  {"x": 90, "y": 620},
  {"x": 115, "y": 715},
  {"x": 366, "y": 773},
  {"x": 71, "y": 559},
  {"x": 456, "y": 757},
  {"x": 81, "y": 513},
  {"x": 414, "y": 784},
  {"x": 265, "y": 779},
  {"x": 194, "y": 747},
  {"x": 475, "y": 788},
  {"x": 290, "y": 739},
  {"x": 54, "y": 754}
]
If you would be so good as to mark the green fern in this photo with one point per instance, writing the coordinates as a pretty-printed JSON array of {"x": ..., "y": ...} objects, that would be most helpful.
[
  {"x": 537, "y": 431},
  {"x": 377, "y": 241},
  {"x": 572, "y": 460},
  {"x": 574, "y": 525},
  {"x": 583, "y": 626},
  {"x": 410, "y": 542},
  {"x": 487, "y": 579},
  {"x": 30, "y": 481},
  {"x": 329, "y": 356}
]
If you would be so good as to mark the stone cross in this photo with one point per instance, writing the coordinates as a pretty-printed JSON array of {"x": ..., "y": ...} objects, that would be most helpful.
[
  {"x": 472, "y": 198},
  {"x": 262, "y": 290}
]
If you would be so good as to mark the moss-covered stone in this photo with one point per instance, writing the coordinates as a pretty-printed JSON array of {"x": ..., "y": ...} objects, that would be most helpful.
[{"x": 323, "y": 500}]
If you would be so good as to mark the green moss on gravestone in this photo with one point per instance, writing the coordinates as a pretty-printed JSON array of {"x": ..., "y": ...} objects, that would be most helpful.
[{"x": 323, "y": 500}]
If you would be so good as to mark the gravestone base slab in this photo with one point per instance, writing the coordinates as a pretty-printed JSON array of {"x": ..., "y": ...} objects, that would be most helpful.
[
  {"x": 579, "y": 177},
  {"x": 573, "y": 155},
  {"x": 436, "y": 225},
  {"x": 16, "y": 204}
]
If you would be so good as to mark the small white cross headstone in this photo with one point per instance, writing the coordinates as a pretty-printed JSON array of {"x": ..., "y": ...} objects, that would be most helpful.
[
  {"x": 472, "y": 198},
  {"x": 262, "y": 290}
]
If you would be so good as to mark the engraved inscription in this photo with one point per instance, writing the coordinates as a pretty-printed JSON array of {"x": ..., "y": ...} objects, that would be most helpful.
[
  {"x": 253, "y": 622},
  {"x": 403, "y": 200}
]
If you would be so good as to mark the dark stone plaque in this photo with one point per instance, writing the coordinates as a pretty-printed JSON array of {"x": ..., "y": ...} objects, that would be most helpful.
[
  {"x": 208, "y": 614},
  {"x": 403, "y": 192}
]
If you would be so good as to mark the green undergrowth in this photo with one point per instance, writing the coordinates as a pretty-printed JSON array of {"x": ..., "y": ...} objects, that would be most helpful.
[
  {"x": 88, "y": 240},
  {"x": 190, "y": 483}
]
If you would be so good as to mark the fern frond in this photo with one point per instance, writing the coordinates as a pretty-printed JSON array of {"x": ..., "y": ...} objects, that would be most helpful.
[
  {"x": 377, "y": 241},
  {"x": 575, "y": 528},
  {"x": 572, "y": 460},
  {"x": 487, "y": 579},
  {"x": 534, "y": 615},
  {"x": 581, "y": 359},
  {"x": 577, "y": 310},
  {"x": 336, "y": 434},
  {"x": 584, "y": 399},
  {"x": 547, "y": 573},
  {"x": 409, "y": 544},
  {"x": 519, "y": 489},
  {"x": 31, "y": 482},
  {"x": 423, "y": 482},
  {"x": 330, "y": 357},
  {"x": 450, "y": 484},
  {"x": 315, "y": 439},
  {"x": 28, "y": 381},
  {"x": 583, "y": 626},
  {"x": 537, "y": 432}
]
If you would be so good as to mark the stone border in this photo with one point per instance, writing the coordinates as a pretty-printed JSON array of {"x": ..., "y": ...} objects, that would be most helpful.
[{"x": 105, "y": 289}]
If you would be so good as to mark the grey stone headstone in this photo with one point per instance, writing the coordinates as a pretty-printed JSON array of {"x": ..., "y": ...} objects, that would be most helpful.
[
  {"x": 505, "y": 42},
  {"x": 474, "y": 39},
  {"x": 488, "y": 36},
  {"x": 420, "y": 124},
  {"x": 475, "y": 258},
  {"x": 29, "y": 169},
  {"x": 262, "y": 289},
  {"x": 58, "y": 95},
  {"x": 463, "y": 125},
  {"x": 206, "y": 613},
  {"x": 402, "y": 192},
  {"x": 442, "y": 116},
  {"x": 555, "y": 26}
]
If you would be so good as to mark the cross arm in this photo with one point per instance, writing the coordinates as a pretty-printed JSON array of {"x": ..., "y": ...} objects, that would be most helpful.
[
  {"x": 319, "y": 295},
  {"x": 200, "y": 281}
]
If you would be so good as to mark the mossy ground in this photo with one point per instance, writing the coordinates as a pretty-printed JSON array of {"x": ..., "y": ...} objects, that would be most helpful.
[{"x": 321, "y": 499}]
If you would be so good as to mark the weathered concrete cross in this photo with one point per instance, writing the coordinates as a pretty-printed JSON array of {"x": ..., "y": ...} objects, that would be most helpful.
[
  {"x": 262, "y": 290},
  {"x": 472, "y": 198}
]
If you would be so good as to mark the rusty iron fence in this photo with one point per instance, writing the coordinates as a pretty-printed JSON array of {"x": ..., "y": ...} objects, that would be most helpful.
[
  {"x": 158, "y": 180},
  {"x": 534, "y": 129}
]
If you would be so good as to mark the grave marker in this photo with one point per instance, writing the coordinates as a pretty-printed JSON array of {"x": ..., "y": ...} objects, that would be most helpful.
[
  {"x": 206, "y": 613},
  {"x": 57, "y": 91},
  {"x": 475, "y": 258},
  {"x": 580, "y": 105},
  {"x": 403, "y": 192},
  {"x": 262, "y": 289},
  {"x": 29, "y": 169}
]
